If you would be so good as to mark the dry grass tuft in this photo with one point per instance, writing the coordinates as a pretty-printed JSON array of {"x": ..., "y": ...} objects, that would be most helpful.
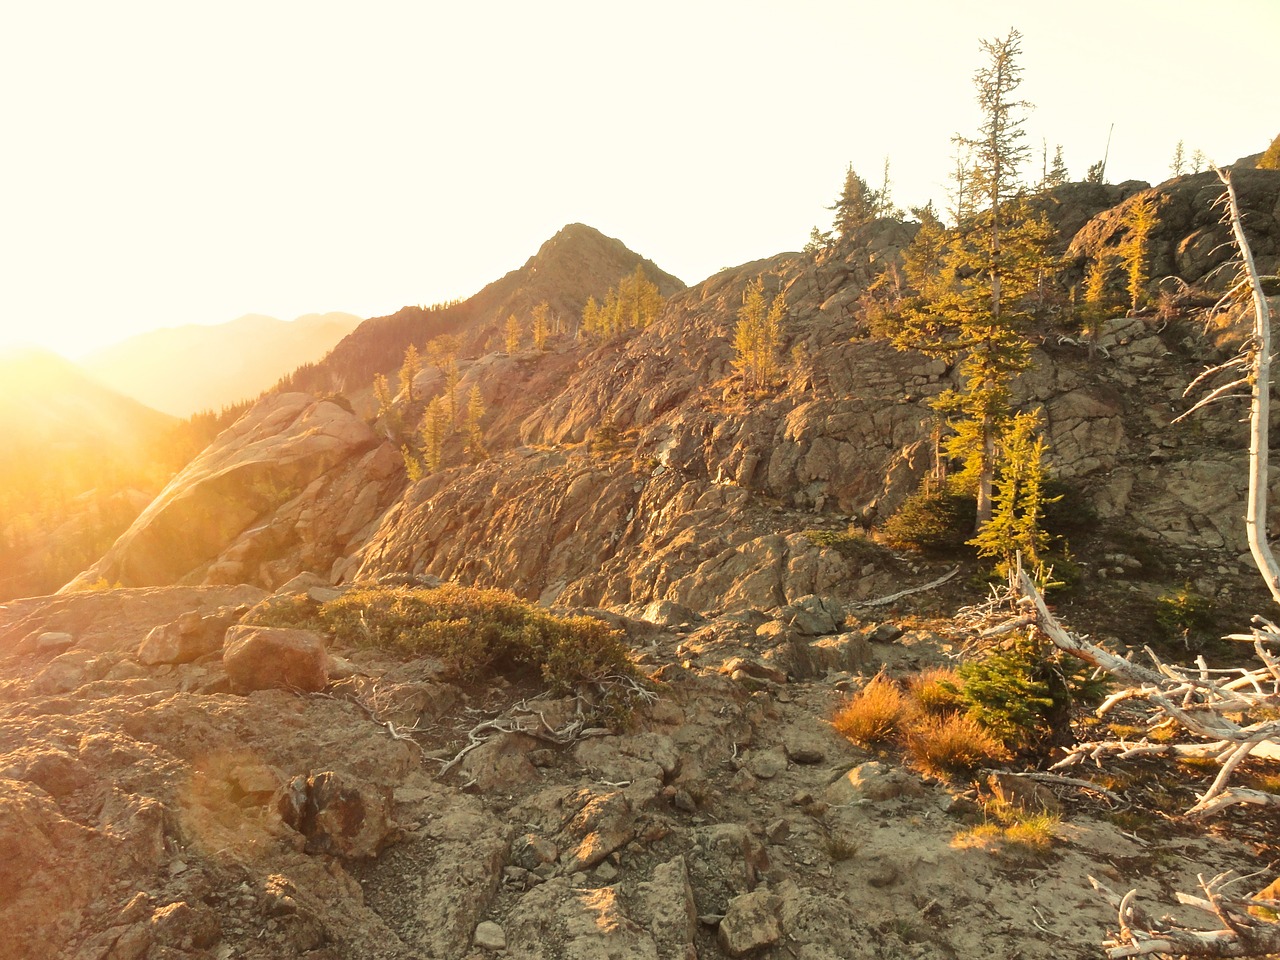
[
  {"x": 952, "y": 744},
  {"x": 874, "y": 714},
  {"x": 1012, "y": 831},
  {"x": 936, "y": 691}
]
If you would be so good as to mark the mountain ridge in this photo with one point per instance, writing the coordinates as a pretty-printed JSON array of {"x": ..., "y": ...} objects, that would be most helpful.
[{"x": 249, "y": 354}]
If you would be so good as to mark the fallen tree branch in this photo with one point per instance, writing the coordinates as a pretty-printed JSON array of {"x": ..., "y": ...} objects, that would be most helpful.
[{"x": 932, "y": 584}]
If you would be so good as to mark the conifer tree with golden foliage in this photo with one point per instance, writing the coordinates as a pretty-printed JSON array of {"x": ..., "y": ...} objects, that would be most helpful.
[
  {"x": 1141, "y": 220},
  {"x": 409, "y": 371},
  {"x": 1019, "y": 499},
  {"x": 975, "y": 305},
  {"x": 633, "y": 304},
  {"x": 1270, "y": 160},
  {"x": 757, "y": 337},
  {"x": 432, "y": 429},
  {"x": 513, "y": 332},
  {"x": 472, "y": 428},
  {"x": 540, "y": 327},
  {"x": 442, "y": 353}
]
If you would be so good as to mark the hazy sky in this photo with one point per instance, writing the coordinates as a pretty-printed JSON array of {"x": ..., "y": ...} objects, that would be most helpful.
[{"x": 173, "y": 162}]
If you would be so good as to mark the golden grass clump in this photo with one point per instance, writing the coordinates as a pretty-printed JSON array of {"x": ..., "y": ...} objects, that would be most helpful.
[
  {"x": 1011, "y": 830},
  {"x": 936, "y": 691},
  {"x": 953, "y": 744},
  {"x": 874, "y": 714}
]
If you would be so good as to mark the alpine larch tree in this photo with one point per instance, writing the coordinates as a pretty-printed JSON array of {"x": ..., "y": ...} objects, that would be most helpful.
[{"x": 975, "y": 306}]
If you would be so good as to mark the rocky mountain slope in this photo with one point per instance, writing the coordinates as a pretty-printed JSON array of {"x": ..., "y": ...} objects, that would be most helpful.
[
  {"x": 335, "y": 800},
  {"x": 183, "y": 370}
]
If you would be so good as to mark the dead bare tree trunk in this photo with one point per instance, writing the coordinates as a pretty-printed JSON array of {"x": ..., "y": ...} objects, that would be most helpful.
[
  {"x": 1211, "y": 705},
  {"x": 1260, "y": 402}
]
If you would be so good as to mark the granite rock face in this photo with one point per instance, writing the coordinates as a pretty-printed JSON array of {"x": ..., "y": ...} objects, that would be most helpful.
[{"x": 293, "y": 485}]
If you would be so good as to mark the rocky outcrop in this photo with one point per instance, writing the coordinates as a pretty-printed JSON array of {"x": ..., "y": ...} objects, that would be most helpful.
[
  {"x": 294, "y": 485},
  {"x": 1189, "y": 240}
]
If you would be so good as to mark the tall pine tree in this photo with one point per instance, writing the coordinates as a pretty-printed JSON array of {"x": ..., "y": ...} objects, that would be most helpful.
[{"x": 974, "y": 307}]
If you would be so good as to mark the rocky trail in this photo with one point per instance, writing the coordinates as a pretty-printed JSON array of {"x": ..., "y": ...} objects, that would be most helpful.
[{"x": 148, "y": 811}]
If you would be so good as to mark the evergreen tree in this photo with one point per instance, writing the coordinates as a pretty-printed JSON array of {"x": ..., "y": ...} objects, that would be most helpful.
[
  {"x": 634, "y": 303},
  {"x": 513, "y": 334},
  {"x": 1019, "y": 499},
  {"x": 1099, "y": 296},
  {"x": 1141, "y": 220},
  {"x": 409, "y": 371},
  {"x": 820, "y": 242},
  {"x": 432, "y": 430},
  {"x": 474, "y": 432},
  {"x": 883, "y": 204},
  {"x": 1058, "y": 172},
  {"x": 1270, "y": 160},
  {"x": 961, "y": 192},
  {"x": 382, "y": 393},
  {"x": 442, "y": 352},
  {"x": 592, "y": 324},
  {"x": 758, "y": 336},
  {"x": 1198, "y": 160},
  {"x": 856, "y": 205},
  {"x": 975, "y": 307},
  {"x": 1178, "y": 166},
  {"x": 540, "y": 327}
]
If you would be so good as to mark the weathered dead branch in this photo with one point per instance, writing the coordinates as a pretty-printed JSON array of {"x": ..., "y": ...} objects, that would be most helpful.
[
  {"x": 1241, "y": 935},
  {"x": 931, "y": 585}
]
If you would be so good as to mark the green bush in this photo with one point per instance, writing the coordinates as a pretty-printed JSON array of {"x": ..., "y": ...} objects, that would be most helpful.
[
  {"x": 1184, "y": 613},
  {"x": 851, "y": 544},
  {"x": 1023, "y": 692},
  {"x": 931, "y": 521},
  {"x": 474, "y": 633}
]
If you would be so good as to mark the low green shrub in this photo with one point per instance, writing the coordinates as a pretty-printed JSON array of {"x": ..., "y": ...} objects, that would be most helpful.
[
  {"x": 931, "y": 521},
  {"x": 475, "y": 633},
  {"x": 1023, "y": 691},
  {"x": 1182, "y": 614},
  {"x": 853, "y": 545}
]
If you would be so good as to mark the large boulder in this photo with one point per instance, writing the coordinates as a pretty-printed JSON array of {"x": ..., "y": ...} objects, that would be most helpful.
[
  {"x": 294, "y": 485},
  {"x": 265, "y": 658}
]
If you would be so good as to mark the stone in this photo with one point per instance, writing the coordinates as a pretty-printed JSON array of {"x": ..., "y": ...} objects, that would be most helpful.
[
  {"x": 872, "y": 780},
  {"x": 500, "y": 762},
  {"x": 767, "y": 764},
  {"x": 885, "y": 633},
  {"x": 812, "y": 615},
  {"x": 602, "y": 824},
  {"x": 264, "y": 658},
  {"x": 188, "y": 638},
  {"x": 750, "y": 923},
  {"x": 531, "y": 851},
  {"x": 338, "y": 816},
  {"x": 1023, "y": 793},
  {"x": 490, "y": 936},
  {"x": 54, "y": 642},
  {"x": 665, "y": 907},
  {"x": 295, "y": 484},
  {"x": 180, "y": 925},
  {"x": 667, "y": 613},
  {"x": 739, "y": 668}
]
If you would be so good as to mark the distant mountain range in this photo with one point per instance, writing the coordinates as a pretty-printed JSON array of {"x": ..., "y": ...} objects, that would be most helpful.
[
  {"x": 187, "y": 369},
  {"x": 48, "y": 402}
]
